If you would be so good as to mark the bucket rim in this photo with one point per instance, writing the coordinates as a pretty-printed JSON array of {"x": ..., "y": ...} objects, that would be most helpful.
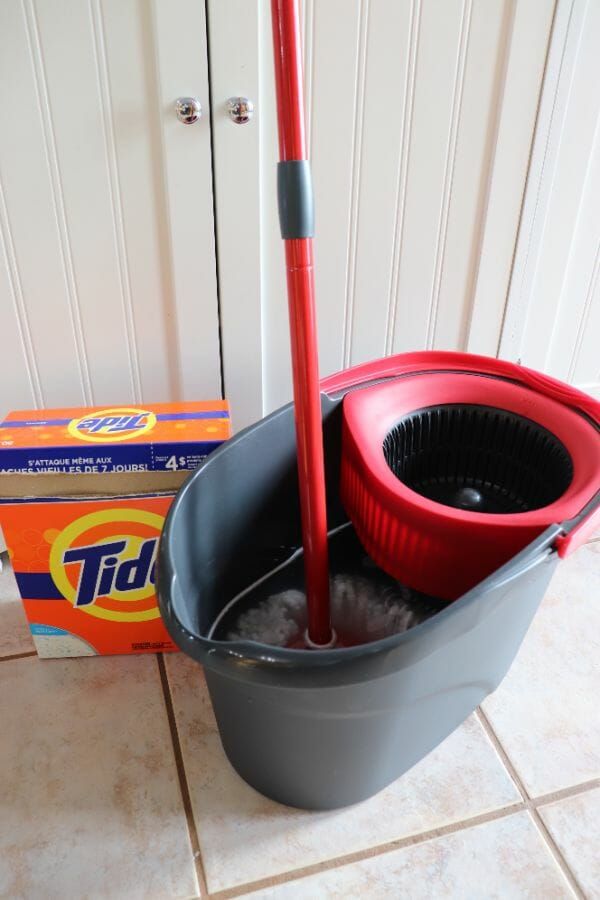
[
  {"x": 563, "y": 422},
  {"x": 243, "y": 658},
  {"x": 246, "y": 654}
]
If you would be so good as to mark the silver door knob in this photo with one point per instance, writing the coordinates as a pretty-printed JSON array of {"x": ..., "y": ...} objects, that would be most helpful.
[
  {"x": 188, "y": 109},
  {"x": 240, "y": 109}
]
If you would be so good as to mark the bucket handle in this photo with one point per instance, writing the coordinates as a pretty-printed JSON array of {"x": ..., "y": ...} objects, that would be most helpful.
[
  {"x": 577, "y": 530},
  {"x": 426, "y": 362},
  {"x": 564, "y": 394}
]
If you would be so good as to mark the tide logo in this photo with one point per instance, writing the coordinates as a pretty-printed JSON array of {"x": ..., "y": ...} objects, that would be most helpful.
[
  {"x": 119, "y": 424},
  {"x": 104, "y": 564}
]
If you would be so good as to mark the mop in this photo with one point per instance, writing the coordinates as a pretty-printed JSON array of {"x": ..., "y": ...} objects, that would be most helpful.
[
  {"x": 446, "y": 472},
  {"x": 325, "y": 609}
]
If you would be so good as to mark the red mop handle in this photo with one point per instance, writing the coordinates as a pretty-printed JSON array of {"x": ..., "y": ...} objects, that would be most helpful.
[{"x": 295, "y": 212}]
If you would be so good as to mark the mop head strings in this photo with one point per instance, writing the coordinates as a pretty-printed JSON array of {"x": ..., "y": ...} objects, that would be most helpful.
[{"x": 364, "y": 608}]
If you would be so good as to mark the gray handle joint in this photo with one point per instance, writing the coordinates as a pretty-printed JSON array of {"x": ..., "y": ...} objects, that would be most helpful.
[{"x": 295, "y": 198}]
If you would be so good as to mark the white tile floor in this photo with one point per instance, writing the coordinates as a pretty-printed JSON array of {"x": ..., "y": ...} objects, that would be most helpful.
[
  {"x": 547, "y": 711},
  {"x": 501, "y": 858},
  {"x": 113, "y": 783}
]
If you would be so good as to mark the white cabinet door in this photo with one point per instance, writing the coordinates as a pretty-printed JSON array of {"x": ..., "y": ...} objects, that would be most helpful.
[
  {"x": 107, "y": 261},
  {"x": 420, "y": 120},
  {"x": 553, "y": 315}
]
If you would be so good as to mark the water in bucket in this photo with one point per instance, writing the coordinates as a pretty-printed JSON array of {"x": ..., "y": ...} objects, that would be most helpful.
[{"x": 366, "y": 604}]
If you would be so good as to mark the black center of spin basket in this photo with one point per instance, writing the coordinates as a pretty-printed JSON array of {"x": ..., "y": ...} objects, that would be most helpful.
[{"x": 478, "y": 458}]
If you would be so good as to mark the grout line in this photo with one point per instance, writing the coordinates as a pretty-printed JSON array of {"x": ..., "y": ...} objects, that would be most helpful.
[
  {"x": 369, "y": 853},
  {"x": 530, "y": 806},
  {"x": 542, "y": 799},
  {"x": 183, "y": 785},
  {"x": 526, "y": 804},
  {"x": 557, "y": 854},
  {"x": 13, "y": 656},
  {"x": 564, "y": 793},
  {"x": 487, "y": 727}
]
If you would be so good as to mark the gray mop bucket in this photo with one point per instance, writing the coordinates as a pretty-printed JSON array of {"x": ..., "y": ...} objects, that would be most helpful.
[{"x": 320, "y": 730}]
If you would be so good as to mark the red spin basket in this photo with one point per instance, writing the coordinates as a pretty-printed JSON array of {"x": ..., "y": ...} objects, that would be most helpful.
[{"x": 453, "y": 467}]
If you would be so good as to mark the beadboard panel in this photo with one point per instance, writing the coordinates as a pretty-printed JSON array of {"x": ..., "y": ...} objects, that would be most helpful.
[
  {"x": 420, "y": 117},
  {"x": 108, "y": 284},
  {"x": 553, "y": 315}
]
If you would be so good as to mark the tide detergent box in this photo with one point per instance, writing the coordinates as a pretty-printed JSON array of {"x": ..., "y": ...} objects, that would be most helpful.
[{"x": 83, "y": 498}]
